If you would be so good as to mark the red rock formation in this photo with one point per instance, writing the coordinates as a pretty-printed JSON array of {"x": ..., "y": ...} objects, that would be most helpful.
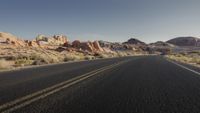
[
  {"x": 67, "y": 44},
  {"x": 76, "y": 44},
  {"x": 87, "y": 46},
  {"x": 97, "y": 46},
  {"x": 52, "y": 43}
]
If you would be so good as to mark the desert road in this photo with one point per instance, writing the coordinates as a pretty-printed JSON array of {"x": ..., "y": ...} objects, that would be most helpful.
[{"x": 146, "y": 84}]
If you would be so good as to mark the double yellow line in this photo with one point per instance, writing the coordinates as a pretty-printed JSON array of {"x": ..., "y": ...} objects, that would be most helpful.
[{"x": 28, "y": 99}]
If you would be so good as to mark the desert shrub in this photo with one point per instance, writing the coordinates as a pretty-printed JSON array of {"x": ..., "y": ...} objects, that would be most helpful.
[
  {"x": 194, "y": 52},
  {"x": 44, "y": 58},
  {"x": 39, "y": 62},
  {"x": 23, "y": 57},
  {"x": 178, "y": 55},
  {"x": 73, "y": 57},
  {"x": 54, "y": 60},
  {"x": 16, "y": 57},
  {"x": 88, "y": 57},
  {"x": 185, "y": 58},
  {"x": 183, "y": 53},
  {"x": 69, "y": 58},
  {"x": 35, "y": 56},
  {"x": 121, "y": 54},
  {"x": 23, "y": 62},
  {"x": 195, "y": 60},
  {"x": 103, "y": 55}
]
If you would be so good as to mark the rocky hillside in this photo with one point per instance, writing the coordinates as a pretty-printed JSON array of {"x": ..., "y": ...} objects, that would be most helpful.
[
  {"x": 133, "y": 45},
  {"x": 49, "y": 42},
  {"x": 134, "y": 41},
  {"x": 7, "y": 38},
  {"x": 185, "y": 41},
  {"x": 162, "y": 44},
  {"x": 116, "y": 46},
  {"x": 160, "y": 47},
  {"x": 16, "y": 52}
]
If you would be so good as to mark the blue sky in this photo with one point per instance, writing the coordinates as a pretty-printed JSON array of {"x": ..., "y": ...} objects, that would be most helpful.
[{"x": 111, "y": 20}]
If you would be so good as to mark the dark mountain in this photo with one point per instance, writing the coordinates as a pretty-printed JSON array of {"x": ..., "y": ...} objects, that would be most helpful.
[
  {"x": 134, "y": 41},
  {"x": 185, "y": 41}
]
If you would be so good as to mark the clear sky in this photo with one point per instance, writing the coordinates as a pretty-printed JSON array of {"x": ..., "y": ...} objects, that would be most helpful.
[{"x": 111, "y": 20}]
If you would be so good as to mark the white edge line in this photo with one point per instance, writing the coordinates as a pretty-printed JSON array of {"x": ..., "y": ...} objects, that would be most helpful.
[{"x": 184, "y": 67}]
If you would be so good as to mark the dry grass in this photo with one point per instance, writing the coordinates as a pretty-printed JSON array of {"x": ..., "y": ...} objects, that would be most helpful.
[
  {"x": 23, "y": 62},
  {"x": 103, "y": 55},
  {"x": 38, "y": 56},
  {"x": 187, "y": 57},
  {"x": 4, "y": 64},
  {"x": 47, "y": 58},
  {"x": 73, "y": 57}
]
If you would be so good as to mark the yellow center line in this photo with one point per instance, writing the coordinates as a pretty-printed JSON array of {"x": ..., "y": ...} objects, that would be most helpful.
[{"x": 26, "y": 100}]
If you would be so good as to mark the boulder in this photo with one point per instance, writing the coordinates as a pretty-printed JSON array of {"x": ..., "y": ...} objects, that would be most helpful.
[
  {"x": 76, "y": 44},
  {"x": 56, "y": 40},
  {"x": 61, "y": 38},
  {"x": 2, "y": 40},
  {"x": 67, "y": 44},
  {"x": 33, "y": 44},
  {"x": 41, "y": 38},
  {"x": 43, "y": 44}
]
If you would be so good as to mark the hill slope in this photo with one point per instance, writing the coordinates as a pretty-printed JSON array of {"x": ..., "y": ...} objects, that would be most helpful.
[{"x": 185, "y": 41}]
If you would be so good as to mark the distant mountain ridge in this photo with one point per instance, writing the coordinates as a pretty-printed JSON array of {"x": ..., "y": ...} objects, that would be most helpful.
[
  {"x": 185, "y": 41},
  {"x": 134, "y": 41},
  {"x": 161, "y": 44},
  {"x": 61, "y": 42}
]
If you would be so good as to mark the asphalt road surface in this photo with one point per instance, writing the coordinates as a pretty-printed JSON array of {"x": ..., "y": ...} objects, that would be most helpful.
[{"x": 146, "y": 84}]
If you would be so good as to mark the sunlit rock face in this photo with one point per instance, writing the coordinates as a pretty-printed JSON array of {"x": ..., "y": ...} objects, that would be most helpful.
[
  {"x": 88, "y": 46},
  {"x": 11, "y": 39},
  {"x": 55, "y": 40}
]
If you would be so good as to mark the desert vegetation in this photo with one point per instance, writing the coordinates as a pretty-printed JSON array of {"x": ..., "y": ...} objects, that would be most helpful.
[
  {"x": 16, "y": 52},
  {"x": 192, "y": 57}
]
